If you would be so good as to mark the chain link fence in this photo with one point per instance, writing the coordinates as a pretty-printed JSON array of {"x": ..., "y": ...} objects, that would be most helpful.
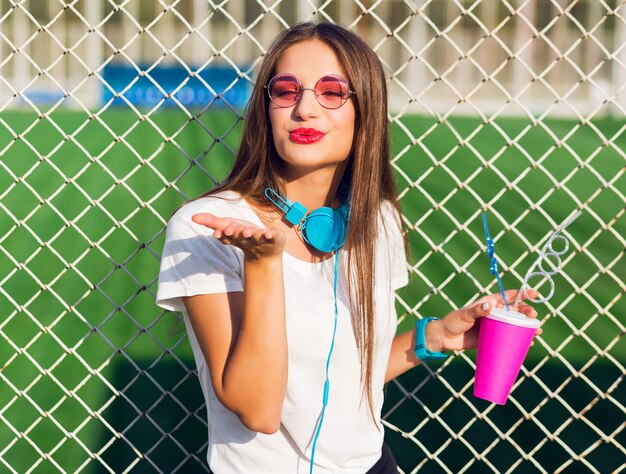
[{"x": 113, "y": 112}]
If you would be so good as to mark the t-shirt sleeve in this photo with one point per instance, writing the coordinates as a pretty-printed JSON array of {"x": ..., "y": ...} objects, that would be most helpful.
[
  {"x": 395, "y": 241},
  {"x": 194, "y": 263}
]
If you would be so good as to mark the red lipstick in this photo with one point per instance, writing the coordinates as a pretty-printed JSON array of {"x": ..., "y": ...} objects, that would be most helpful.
[{"x": 305, "y": 136}]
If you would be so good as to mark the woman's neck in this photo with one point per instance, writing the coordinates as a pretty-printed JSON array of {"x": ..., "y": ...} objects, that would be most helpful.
[{"x": 315, "y": 189}]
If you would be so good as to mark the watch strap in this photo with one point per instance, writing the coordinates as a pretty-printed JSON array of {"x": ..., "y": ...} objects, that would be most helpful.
[{"x": 421, "y": 351}]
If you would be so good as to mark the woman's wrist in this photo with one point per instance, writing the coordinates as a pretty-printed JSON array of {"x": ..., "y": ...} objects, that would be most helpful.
[
  {"x": 433, "y": 336},
  {"x": 260, "y": 260},
  {"x": 424, "y": 343},
  {"x": 263, "y": 265}
]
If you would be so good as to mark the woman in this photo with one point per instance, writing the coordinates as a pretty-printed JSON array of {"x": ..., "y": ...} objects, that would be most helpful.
[{"x": 294, "y": 337}]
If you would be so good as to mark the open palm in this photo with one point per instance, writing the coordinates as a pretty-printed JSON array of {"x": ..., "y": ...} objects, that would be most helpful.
[{"x": 255, "y": 242}]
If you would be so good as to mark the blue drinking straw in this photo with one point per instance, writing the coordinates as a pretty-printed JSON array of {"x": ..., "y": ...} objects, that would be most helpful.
[{"x": 493, "y": 263}]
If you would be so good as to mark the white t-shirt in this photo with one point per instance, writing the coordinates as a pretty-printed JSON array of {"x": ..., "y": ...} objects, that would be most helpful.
[{"x": 195, "y": 263}]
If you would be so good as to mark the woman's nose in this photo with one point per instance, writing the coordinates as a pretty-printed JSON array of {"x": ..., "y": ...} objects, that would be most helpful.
[{"x": 307, "y": 105}]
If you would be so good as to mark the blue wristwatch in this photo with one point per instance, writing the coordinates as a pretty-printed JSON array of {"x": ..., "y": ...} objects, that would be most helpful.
[{"x": 421, "y": 352}]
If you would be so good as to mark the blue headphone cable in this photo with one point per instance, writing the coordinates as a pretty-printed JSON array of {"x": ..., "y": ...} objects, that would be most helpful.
[{"x": 327, "y": 381}]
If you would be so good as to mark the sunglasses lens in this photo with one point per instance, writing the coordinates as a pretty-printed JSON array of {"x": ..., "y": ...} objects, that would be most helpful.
[
  {"x": 284, "y": 90},
  {"x": 332, "y": 92}
]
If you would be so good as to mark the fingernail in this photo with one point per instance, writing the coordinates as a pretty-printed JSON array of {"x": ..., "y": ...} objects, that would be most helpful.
[{"x": 485, "y": 306}]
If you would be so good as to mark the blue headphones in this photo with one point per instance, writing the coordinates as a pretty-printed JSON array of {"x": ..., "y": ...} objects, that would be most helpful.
[{"x": 323, "y": 228}]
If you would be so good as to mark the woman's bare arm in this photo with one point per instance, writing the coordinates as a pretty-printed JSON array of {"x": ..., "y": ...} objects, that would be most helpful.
[{"x": 243, "y": 335}]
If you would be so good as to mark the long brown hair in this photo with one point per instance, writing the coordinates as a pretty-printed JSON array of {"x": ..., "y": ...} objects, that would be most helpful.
[{"x": 368, "y": 172}]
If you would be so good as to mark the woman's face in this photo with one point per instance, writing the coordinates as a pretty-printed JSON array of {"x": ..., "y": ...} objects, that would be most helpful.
[{"x": 306, "y": 135}]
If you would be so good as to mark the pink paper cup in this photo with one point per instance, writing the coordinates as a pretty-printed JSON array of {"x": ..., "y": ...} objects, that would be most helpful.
[{"x": 503, "y": 341}]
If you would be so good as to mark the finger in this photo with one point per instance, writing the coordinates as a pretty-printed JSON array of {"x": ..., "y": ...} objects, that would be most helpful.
[
  {"x": 538, "y": 332},
  {"x": 257, "y": 234},
  {"x": 273, "y": 234},
  {"x": 226, "y": 239},
  {"x": 512, "y": 295},
  {"x": 268, "y": 234},
  {"x": 529, "y": 293},
  {"x": 231, "y": 230},
  {"x": 206, "y": 219},
  {"x": 477, "y": 310},
  {"x": 527, "y": 310},
  {"x": 491, "y": 301},
  {"x": 212, "y": 222}
]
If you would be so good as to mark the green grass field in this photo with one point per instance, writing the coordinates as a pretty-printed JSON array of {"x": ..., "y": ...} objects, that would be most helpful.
[{"x": 80, "y": 252}]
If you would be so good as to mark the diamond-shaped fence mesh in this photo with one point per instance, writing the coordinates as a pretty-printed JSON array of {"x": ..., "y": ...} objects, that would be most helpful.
[{"x": 113, "y": 112}]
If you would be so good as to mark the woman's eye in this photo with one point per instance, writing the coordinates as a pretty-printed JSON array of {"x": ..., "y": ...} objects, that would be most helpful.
[
  {"x": 332, "y": 92},
  {"x": 287, "y": 93},
  {"x": 331, "y": 89}
]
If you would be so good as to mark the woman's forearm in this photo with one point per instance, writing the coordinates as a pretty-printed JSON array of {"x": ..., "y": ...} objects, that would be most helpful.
[
  {"x": 402, "y": 356},
  {"x": 255, "y": 375}
]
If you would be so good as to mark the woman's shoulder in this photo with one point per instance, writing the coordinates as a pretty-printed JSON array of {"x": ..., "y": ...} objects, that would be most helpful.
[{"x": 222, "y": 203}]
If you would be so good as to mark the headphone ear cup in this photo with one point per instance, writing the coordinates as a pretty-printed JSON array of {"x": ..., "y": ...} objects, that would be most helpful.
[{"x": 324, "y": 229}]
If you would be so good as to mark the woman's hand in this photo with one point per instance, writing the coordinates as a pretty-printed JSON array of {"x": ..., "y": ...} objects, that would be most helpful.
[
  {"x": 255, "y": 242},
  {"x": 458, "y": 330}
]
